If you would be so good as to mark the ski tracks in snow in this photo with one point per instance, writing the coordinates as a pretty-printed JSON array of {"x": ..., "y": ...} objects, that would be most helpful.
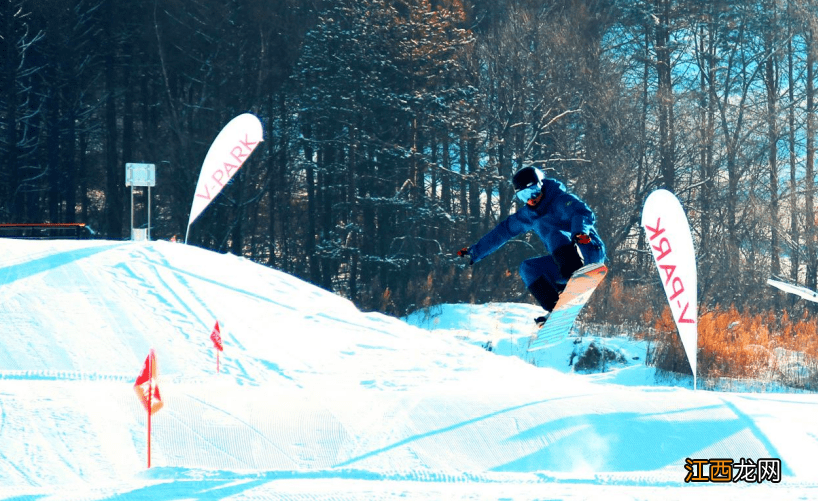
[
  {"x": 190, "y": 303},
  {"x": 175, "y": 307}
]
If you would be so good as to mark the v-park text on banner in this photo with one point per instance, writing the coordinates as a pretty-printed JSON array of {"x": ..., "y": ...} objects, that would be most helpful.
[
  {"x": 671, "y": 243},
  {"x": 673, "y": 283},
  {"x": 221, "y": 175}
]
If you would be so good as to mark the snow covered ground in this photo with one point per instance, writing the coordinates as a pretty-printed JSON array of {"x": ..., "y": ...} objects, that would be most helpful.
[{"x": 319, "y": 401}]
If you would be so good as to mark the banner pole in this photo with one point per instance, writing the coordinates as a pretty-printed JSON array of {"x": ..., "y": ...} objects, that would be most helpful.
[{"x": 149, "y": 212}]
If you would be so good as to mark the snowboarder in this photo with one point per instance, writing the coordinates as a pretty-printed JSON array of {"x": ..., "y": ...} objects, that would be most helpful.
[{"x": 563, "y": 222}]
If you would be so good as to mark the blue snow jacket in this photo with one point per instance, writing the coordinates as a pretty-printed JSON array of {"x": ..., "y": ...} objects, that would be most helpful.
[{"x": 555, "y": 219}]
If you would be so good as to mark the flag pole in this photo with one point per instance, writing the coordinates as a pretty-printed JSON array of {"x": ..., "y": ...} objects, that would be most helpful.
[
  {"x": 145, "y": 382},
  {"x": 217, "y": 344},
  {"x": 150, "y": 405}
]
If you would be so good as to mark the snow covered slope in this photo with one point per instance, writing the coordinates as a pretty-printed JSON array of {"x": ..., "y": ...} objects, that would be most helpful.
[
  {"x": 506, "y": 329},
  {"x": 317, "y": 400}
]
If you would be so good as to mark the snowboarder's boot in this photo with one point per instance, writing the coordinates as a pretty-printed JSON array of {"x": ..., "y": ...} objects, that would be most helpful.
[{"x": 540, "y": 321}]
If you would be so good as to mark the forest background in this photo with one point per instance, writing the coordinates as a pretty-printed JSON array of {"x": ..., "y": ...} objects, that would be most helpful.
[{"x": 392, "y": 129}]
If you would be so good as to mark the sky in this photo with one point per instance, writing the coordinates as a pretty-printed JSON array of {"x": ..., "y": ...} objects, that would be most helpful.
[{"x": 317, "y": 400}]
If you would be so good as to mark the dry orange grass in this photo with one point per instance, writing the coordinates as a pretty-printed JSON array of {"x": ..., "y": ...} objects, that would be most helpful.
[{"x": 766, "y": 346}]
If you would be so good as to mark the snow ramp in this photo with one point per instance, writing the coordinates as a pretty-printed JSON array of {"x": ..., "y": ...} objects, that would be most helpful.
[{"x": 316, "y": 397}]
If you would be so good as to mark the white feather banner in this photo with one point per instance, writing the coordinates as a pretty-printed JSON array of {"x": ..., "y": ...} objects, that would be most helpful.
[
  {"x": 671, "y": 243},
  {"x": 226, "y": 155}
]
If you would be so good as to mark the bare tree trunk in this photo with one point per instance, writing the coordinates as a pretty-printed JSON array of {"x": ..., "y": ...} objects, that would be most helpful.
[
  {"x": 794, "y": 228},
  {"x": 504, "y": 169},
  {"x": 113, "y": 193},
  {"x": 82, "y": 176},
  {"x": 435, "y": 180},
  {"x": 665, "y": 95},
  {"x": 474, "y": 187},
  {"x": 446, "y": 182},
  {"x": 771, "y": 84},
  {"x": 809, "y": 179},
  {"x": 314, "y": 266},
  {"x": 464, "y": 185},
  {"x": 642, "y": 162},
  {"x": 70, "y": 162},
  {"x": 352, "y": 245},
  {"x": 275, "y": 189},
  {"x": 327, "y": 159},
  {"x": 284, "y": 189},
  {"x": 8, "y": 190},
  {"x": 707, "y": 64},
  {"x": 238, "y": 236},
  {"x": 53, "y": 148}
]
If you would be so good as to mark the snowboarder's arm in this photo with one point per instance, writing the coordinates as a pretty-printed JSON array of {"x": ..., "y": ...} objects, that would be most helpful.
[
  {"x": 512, "y": 226},
  {"x": 582, "y": 218}
]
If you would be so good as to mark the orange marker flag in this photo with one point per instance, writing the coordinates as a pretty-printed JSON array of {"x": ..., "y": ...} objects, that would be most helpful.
[
  {"x": 147, "y": 390},
  {"x": 216, "y": 337},
  {"x": 147, "y": 387}
]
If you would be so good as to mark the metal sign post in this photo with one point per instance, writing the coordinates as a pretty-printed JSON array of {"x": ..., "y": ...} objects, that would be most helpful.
[{"x": 140, "y": 175}]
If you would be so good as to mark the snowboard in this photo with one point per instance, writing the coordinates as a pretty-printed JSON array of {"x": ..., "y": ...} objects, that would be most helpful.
[{"x": 577, "y": 292}]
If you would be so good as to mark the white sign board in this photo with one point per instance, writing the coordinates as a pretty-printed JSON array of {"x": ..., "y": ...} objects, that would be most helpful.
[{"x": 140, "y": 175}]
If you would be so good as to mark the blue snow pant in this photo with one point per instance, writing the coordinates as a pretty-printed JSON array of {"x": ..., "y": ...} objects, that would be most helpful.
[{"x": 547, "y": 268}]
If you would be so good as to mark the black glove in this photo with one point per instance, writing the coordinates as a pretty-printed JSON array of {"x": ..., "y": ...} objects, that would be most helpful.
[
  {"x": 464, "y": 252},
  {"x": 582, "y": 238},
  {"x": 568, "y": 259}
]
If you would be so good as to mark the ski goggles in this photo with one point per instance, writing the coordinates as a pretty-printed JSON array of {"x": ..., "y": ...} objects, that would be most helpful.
[{"x": 527, "y": 194}]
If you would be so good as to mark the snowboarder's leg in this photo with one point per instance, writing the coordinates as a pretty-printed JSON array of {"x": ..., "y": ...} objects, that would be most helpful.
[
  {"x": 537, "y": 274},
  {"x": 569, "y": 260},
  {"x": 534, "y": 268},
  {"x": 544, "y": 293}
]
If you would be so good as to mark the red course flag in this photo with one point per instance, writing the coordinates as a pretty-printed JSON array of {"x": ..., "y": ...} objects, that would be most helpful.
[
  {"x": 147, "y": 385},
  {"x": 147, "y": 390},
  {"x": 216, "y": 337}
]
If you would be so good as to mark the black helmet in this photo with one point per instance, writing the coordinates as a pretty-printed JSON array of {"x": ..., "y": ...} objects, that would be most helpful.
[{"x": 527, "y": 177}]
